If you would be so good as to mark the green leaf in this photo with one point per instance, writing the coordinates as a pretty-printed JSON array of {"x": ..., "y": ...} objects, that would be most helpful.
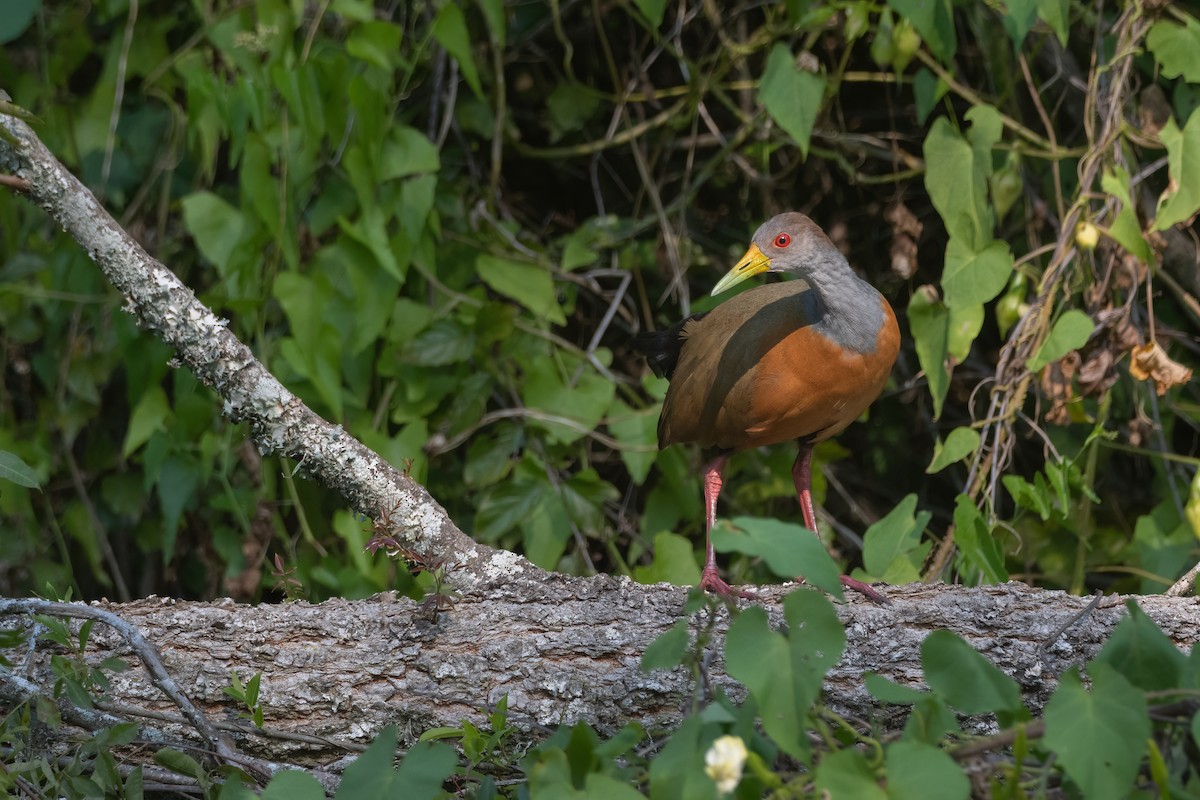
[
  {"x": 673, "y": 562},
  {"x": 892, "y": 549},
  {"x": 928, "y": 319},
  {"x": 177, "y": 481},
  {"x": 1191, "y": 509},
  {"x": 929, "y": 721},
  {"x": 666, "y": 652},
  {"x": 845, "y": 774},
  {"x": 886, "y": 690},
  {"x": 934, "y": 20},
  {"x": 979, "y": 548},
  {"x": 490, "y": 458},
  {"x": 293, "y": 784},
  {"x": 928, "y": 89},
  {"x": 450, "y": 31},
  {"x": 376, "y": 42},
  {"x": 181, "y": 764},
  {"x": 13, "y": 468},
  {"x": 965, "y": 679},
  {"x": 1018, "y": 19},
  {"x": 407, "y": 151},
  {"x": 304, "y": 302},
  {"x": 528, "y": 284},
  {"x": 426, "y": 765},
  {"x": 435, "y": 734},
  {"x": 986, "y": 128},
  {"x": 792, "y": 96},
  {"x": 506, "y": 505},
  {"x": 961, "y": 442},
  {"x": 917, "y": 771},
  {"x": 784, "y": 674},
  {"x": 546, "y": 530},
  {"x": 1056, "y": 14},
  {"x": 1098, "y": 736},
  {"x": 1125, "y": 228},
  {"x": 637, "y": 431},
  {"x": 215, "y": 225},
  {"x": 1182, "y": 198},
  {"x": 370, "y": 231},
  {"x": 17, "y": 16},
  {"x": 570, "y": 106},
  {"x": 370, "y": 776},
  {"x": 1070, "y": 332},
  {"x": 372, "y": 296},
  {"x": 416, "y": 202},
  {"x": 962, "y": 328},
  {"x": 971, "y": 278},
  {"x": 1007, "y": 185},
  {"x": 584, "y": 402},
  {"x": 357, "y": 10},
  {"x": 446, "y": 341},
  {"x": 652, "y": 10},
  {"x": 148, "y": 417},
  {"x": 788, "y": 550},
  {"x": 598, "y": 786},
  {"x": 1033, "y": 496},
  {"x": 677, "y": 772},
  {"x": 956, "y": 174},
  {"x": 497, "y": 20},
  {"x": 1175, "y": 46},
  {"x": 1142, "y": 653}
]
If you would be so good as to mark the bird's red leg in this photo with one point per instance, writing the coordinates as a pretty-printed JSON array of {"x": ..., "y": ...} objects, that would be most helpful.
[
  {"x": 802, "y": 477},
  {"x": 710, "y": 581}
]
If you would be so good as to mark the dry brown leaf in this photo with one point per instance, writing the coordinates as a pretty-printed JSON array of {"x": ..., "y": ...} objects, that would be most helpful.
[
  {"x": 1151, "y": 362},
  {"x": 1056, "y": 383},
  {"x": 1153, "y": 110},
  {"x": 1097, "y": 374},
  {"x": 906, "y": 230}
]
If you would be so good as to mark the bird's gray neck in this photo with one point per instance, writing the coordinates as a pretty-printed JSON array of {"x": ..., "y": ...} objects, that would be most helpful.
[{"x": 853, "y": 314}]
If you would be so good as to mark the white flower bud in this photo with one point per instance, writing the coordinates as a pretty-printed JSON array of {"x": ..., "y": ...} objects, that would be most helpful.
[{"x": 724, "y": 761}]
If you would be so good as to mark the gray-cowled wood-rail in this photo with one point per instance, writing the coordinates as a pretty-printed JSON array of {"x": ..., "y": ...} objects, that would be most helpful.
[{"x": 798, "y": 360}]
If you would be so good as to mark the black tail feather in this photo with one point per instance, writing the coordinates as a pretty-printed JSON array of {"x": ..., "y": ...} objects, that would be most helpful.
[{"x": 661, "y": 348}]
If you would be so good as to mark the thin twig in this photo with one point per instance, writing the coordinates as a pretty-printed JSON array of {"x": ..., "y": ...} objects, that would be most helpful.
[
  {"x": 106, "y": 550},
  {"x": 119, "y": 94},
  {"x": 13, "y": 182},
  {"x": 146, "y": 652},
  {"x": 1083, "y": 612}
]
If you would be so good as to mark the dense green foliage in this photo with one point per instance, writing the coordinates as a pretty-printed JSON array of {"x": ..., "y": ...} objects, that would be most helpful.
[
  {"x": 442, "y": 227},
  {"x": 441, "y": 223}
]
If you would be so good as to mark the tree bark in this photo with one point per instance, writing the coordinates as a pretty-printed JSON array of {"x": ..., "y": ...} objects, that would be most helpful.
[{"x": 560, "y": 649}]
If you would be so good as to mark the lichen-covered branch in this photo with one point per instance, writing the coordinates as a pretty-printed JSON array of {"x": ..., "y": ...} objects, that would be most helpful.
[{"x": 279, "y": 421}]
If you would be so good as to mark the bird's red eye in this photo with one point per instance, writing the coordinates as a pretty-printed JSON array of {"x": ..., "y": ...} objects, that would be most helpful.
[{"x": 783, "y": 240}]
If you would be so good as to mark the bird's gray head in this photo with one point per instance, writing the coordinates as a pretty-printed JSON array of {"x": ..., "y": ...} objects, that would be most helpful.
[
  {"x": 788, "y": 242},
  {"x": 791, "y": 239}
]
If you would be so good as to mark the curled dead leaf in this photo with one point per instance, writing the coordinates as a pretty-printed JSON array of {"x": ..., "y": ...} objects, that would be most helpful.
[
  {"x": 1153, "y": 110},
  {"x": 1097, "y": 374},
  {"x": 1151, "y": 362},
  {"x": 1056, "y": 383},
  {"x": 906, "y": 230}
]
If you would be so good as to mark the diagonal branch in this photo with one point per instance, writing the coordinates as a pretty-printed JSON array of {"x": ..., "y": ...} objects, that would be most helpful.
[{"x": 279, "y": 421}]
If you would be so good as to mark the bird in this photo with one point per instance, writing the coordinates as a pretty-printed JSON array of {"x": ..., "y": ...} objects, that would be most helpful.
[{"x": 796, "y": 360}]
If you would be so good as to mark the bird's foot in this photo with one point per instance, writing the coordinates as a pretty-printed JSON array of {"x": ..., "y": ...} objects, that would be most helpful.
[
  {"x": 866, "y": 590},
  {"x": 711, "y": 582}
]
